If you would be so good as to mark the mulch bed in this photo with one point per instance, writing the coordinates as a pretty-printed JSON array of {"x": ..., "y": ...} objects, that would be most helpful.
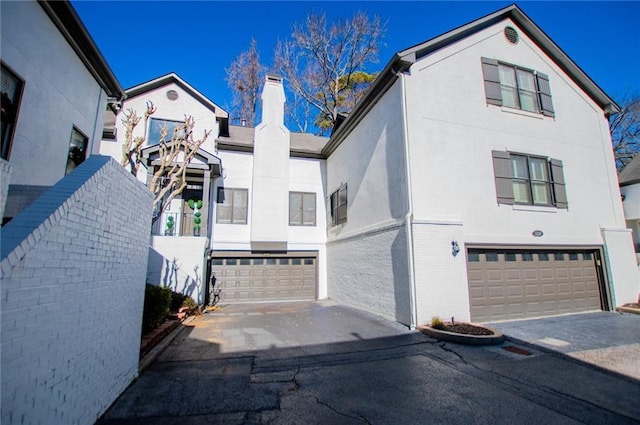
[{"x": 466, "y": 328}]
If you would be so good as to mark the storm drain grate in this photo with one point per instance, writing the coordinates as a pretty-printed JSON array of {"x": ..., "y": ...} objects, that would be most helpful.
[{"x": 517, "y": 350}]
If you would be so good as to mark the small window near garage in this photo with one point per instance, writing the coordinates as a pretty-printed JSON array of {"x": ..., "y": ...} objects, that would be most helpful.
[
  {"x": 77, "y": 150},
  {"x": 232, "y": 262},
  {"x": 491, "y": 256},
  {"x": 558, "y": 256},
  {"x": 543, "y": 256},
  {"x": 510, "y": 256},
  {"x": 473, "y": 257},
  {"x": 11, "y": 94},
  {"x": 308, "y": 261},
  {"x": 296, "y": 261},
  {"x": 245, "y": 261},
  {"x": 271, "y": 261},
  {"x": 232, "y": 206},
  {"x": 527, "y": 256},
  {"x": 217, "y": 262},
  {"x": 573, "y": 256},
  {"x": 587, "y": 256},
  {"x": 283, "y": 262},
  {"x": 302, "y": 209},
  {"x": 258, "y": 262}
]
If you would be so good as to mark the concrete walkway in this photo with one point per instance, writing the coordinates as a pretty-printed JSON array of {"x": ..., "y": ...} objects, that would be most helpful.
[
  {"x": 605, "y": 339},
  {"x": 322, "y": 363}
]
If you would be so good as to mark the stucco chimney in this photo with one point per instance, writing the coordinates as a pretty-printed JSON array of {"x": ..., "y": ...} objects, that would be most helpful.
[
  {"x": 270, "y": 186},
  {"x": 273, "y": 100}
]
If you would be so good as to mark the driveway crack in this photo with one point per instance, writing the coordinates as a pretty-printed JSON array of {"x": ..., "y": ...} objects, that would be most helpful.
[{"x": 333, "y": 409}]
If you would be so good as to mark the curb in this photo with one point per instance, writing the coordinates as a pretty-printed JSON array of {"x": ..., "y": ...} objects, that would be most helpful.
[
  {"x": 153, "y": 354},
  {"x": 630, "y": 310},
  {"x": 496, "y": 338}
]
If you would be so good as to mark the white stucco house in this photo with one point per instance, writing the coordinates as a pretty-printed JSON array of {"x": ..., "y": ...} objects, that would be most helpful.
[
  {"x": 629, "y": 179},
  {"x": 475, "y": 180}
]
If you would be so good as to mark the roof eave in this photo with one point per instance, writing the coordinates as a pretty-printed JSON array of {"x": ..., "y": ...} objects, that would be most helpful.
[{"x": 66, "y": 19}]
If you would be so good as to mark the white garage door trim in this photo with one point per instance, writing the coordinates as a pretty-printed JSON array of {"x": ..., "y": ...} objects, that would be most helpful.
[{"x": 524, "y": 282}]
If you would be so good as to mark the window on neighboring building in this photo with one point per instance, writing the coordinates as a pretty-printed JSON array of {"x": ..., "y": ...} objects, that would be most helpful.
[
  {"x": 11, "y": 87},
  {"x": 516, "y": 87},
  {"x": 529, "y": 180},
  {"x": 77, "y": 150},
  {"x": 232, "y": 206},
  {"x": 302, "y": 209},
  {"x": 155, "y": 130},
  {"x": 338, "y": 204}
]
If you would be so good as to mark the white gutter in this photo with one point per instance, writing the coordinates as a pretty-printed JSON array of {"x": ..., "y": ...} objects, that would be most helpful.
[{"x": 409, "y": 215}]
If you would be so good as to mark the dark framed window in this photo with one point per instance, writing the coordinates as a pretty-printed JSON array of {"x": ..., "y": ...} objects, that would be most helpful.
[
  {"x": 302, "y": 209},
  {"x": 77, "y": 150},
  {"x": 529, "y": 180},
  {"x": 516, "y": 87},
  {"x": 155, "y": 130},
  {"x": 11, "y": 87},
  {"x": 338, "y": 206},
  {"x": 232, "y": 205}
]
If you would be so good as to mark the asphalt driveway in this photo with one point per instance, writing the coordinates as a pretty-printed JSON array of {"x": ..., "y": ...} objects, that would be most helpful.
[{"x": 322, "y": 363}]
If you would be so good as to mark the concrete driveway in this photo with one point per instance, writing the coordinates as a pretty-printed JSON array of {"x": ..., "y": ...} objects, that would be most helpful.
[{"x": 321, "y": 363}]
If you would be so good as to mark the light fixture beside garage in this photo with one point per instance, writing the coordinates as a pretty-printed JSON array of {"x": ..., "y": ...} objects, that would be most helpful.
[
  {"x": 455, "y": 249},
  {"x": 537, "y": 233}
]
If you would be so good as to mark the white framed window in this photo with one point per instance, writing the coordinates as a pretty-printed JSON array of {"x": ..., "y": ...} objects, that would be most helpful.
[
  {"x": 302, "y": 209},
  {"x": 232, "y": 205},
  {"x": 77, "y": 150},
  {"x": 155, "y": 130}
]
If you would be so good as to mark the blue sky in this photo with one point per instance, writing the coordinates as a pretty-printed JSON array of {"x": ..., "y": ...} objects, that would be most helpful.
[{"x": 145, "y": 39}]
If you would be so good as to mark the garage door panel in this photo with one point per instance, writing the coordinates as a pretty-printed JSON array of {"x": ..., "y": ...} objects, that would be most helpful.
[
  {"x": 514, "y": 284},
  {"x": 258, "y": 279}
]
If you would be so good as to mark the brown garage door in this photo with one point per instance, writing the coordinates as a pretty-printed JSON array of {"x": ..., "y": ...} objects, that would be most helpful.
[
  {"x": 245, "y": 279},
  {"x": 516, "y": 284}
]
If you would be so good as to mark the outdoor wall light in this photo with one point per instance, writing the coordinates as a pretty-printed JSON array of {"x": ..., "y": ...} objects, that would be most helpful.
[{"x": 455, "y": 249}]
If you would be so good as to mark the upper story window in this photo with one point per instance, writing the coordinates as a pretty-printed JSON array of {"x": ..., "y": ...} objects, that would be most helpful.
[
  {"x": 529, "y": 180},
  {"x": 338, "y": 206},
  {"x": 77, "y": 150},
  {"x": 516, "y": 87},
  {"x": 232, "y": 205},
  {"x": 155, "y": 130},
  {"x": 11, "y": 87},
  {"x": 302, "y": 209}
]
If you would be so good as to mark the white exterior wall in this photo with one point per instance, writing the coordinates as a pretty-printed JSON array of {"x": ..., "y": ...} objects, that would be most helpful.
[
  {"x": 72, "y": 296},
  {"x": 5, "y": 176},
  {"x": 368, "y": 266},
  {"x": 178, "y": 264},
  {"x": 237, "y": 172},
  {"x": 451, "y": 139},
  {"x": 631, "y": 202},
  {"x": 59, "y": 93}
]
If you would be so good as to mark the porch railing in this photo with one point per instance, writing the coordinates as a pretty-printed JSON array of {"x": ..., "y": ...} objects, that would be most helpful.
[{"x": 176, "y": 224}]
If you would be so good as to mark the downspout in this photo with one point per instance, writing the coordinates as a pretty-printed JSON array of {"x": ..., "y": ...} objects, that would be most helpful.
[{"x": 409, "y": 215}]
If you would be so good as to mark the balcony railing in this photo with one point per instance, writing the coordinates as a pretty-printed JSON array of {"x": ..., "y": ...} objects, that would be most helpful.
[{"x": 177, "y": 224}]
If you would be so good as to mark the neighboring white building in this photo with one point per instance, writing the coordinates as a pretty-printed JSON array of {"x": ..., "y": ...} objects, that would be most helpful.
[
  {"x": 629, "y": 179},
  {"x": 46, "y": 132}
]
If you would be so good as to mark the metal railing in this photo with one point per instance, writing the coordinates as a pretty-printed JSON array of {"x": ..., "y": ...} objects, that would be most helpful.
[{"x": 176, "y": 224}]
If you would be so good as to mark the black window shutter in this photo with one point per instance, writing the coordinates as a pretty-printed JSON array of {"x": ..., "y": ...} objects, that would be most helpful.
[
  {"x": 557, "y": 182},
  {"x": 544, "y": 91},
  {"x": 491, "y": 81},
  {"x": 502, "y": 174}
]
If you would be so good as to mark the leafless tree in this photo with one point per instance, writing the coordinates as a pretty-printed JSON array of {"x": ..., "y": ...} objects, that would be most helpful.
[
  {"x": 245, "y": 77},
  {"x": 625, "y": 130},
  {"x": 175, "y": 154},
  {"x": 326, "y": 67}
]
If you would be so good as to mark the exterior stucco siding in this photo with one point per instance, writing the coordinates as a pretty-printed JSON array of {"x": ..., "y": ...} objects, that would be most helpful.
[
  {"x": 59, "y": 93},
  {"x": 73, "y": 274},
  {"x": 451, "y": 143},
  {"x": 370, "y": 272}
]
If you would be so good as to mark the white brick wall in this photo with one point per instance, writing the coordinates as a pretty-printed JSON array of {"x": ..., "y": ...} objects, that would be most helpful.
[
  {"x": 5, "y": 176},
  {"x": 370, "y": 271},
  {"x": 73, "y": 275}
]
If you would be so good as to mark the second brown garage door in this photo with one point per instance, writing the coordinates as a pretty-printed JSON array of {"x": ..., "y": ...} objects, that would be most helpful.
[
  {"x": 514, "y": 284},
  {"x": 246, "y": 279}
]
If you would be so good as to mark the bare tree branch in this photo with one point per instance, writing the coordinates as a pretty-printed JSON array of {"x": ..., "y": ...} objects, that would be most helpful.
[
  {"x": 245, "y": 77},
  {"x": 625, "y": 130}
]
